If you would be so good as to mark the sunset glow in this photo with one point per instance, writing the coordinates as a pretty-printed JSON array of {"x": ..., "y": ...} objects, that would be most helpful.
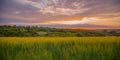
[
  {"x": 61, "y": 13},
  {"x": 72, "y": 22}
]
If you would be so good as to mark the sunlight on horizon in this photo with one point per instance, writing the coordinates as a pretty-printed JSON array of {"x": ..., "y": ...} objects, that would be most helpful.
[{"x": 72, "y": 22}]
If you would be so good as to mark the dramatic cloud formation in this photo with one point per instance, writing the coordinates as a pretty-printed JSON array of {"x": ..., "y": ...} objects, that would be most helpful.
[{"x": 61, "y": 13}]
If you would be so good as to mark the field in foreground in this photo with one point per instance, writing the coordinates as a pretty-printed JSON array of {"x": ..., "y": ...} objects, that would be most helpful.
[{"x": 59, "y": 48}]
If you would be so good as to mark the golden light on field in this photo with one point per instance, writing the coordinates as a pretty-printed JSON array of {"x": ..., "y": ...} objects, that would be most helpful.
[{"x": 65, "y": 48}]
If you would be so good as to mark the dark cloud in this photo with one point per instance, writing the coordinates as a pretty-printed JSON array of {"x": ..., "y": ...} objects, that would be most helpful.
[{"x": 6, "y": 20}]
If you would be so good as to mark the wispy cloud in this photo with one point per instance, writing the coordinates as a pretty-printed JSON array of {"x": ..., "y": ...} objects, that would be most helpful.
[{"x": 62, "y": 11}]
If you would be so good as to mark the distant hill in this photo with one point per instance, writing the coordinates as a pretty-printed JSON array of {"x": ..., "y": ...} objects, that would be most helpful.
[{"x": 24, "y": 31}]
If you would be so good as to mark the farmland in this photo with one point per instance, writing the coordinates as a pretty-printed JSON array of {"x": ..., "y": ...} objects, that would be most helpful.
[{"x": 59, "y": 48}]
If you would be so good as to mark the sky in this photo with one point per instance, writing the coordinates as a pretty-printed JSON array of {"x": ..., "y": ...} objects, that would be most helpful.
[{"x": 88, "y": 14}]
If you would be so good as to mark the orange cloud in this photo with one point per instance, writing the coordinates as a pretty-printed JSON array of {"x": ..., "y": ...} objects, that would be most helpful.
[{"x": 71, "y": 22}]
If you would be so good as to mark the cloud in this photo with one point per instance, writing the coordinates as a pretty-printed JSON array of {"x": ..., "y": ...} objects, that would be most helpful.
[
  {"x": 72, "y": 22},
  {"x": 38, "y": 12},
  {"x": 32, "y": 3},
  {"x": 78, "y": 4},
  {"x": 62, "y": 11},
  {"x": 38, "y": 3},
  {"x": 52, "y": 7}
]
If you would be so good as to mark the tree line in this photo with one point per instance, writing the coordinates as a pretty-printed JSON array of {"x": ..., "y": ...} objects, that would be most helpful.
[{"x": 25, "y": 31}]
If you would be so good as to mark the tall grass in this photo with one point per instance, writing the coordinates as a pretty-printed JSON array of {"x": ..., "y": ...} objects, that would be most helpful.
[{"x": 60, "y": 48}]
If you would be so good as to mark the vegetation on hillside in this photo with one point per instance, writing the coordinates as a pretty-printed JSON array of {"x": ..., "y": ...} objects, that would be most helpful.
[{"x": 22, "y": 31}]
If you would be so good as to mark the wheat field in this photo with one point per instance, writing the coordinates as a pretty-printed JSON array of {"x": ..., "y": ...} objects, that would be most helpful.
[{"x": 59, "y": 48}]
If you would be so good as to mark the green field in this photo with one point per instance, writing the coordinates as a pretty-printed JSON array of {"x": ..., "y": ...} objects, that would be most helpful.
[{"x": 59, "y": 48}]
